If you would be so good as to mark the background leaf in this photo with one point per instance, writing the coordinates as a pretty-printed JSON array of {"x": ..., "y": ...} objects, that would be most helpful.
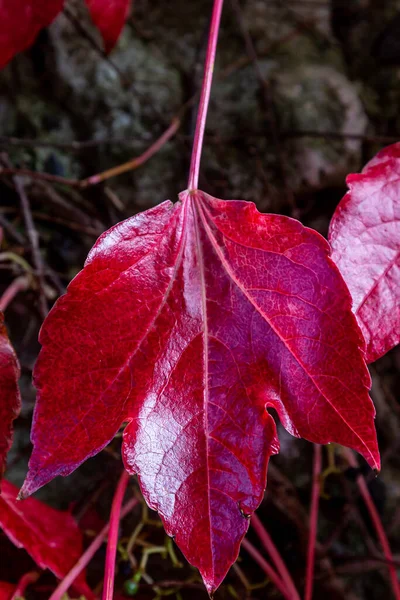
[
  {"x": 21, "y": 21},
  {"x": 6, "y": 590},
  {"x": 10, "y": 401},
  {"x": 365, "y": 239},
  {"x": 109, "y": 16},
  {"x": 51, "y": 537}
]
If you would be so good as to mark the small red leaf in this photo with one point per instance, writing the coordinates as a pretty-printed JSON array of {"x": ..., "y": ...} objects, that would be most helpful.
[
  {"x": 10, "y": 401},
  {"x": 51, "y": 537},
  {"x": 6, "y": 590},
  {"x": 109, "y": 16},
  {"x": 21, "y": 21},
  {"x": 365, "y": 239},
  {"x": 186, "y": 322}
]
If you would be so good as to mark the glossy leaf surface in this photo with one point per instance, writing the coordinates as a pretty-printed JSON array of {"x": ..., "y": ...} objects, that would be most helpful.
[
  {"x": 187, "y": 321},
  {"x": 365, "y": 239},
  {"x": 51, "y": 537},
  {"x": 10, "y": 401},
  {"x": 21, "y": 21},
  {"x": 109, "y": 16}
]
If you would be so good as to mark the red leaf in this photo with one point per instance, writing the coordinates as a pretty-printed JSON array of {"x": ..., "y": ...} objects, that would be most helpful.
[
  {"x": 365, "y": 239},
  {"x": 51, "y": 537},
  {"x": 6, "y": 590},
  {"x": 21, "y": 21},
  {"x": 10, "y": 401},
  {"x": 109, "y": 16},
  {"x": 186, "y": 322}
]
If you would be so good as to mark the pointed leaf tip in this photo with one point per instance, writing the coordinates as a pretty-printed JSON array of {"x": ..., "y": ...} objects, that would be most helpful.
[{"x": 109, "y": 18}]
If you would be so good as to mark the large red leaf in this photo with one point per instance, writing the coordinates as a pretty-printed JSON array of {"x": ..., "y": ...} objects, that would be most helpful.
[
  {"x": 109, "y": 16},
  {"x": 365, "y": 239},
  {"x": 186, "y": 322},
  {"x": 51, "y": 537},
  {"x": 21, "y": 21},
  {"x": 10, "y": 401}
]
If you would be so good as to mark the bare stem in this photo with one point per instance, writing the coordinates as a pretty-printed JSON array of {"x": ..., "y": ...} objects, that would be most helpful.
[
  {"x": 205, "y": 95},
  {"x": 88, "y": 555},
  {"x": 99, "y": 177},
  {"x": 315, "y": 493},
  {"x": 20, "y": 284},
  {"x": 272, "y": 550},
  {"x": 376, "y": 521},
  {"x": 33, "y": 237},
  {"x": 109, "y": 573},
  {"x": 268, "y": 569},
  {"x": 23, "y": 583},
  {"x": 135, "y": 162}
]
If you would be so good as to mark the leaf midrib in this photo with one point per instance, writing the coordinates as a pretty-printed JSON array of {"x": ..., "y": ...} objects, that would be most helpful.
[
  {"x": 231, "y": 275},
  {"x": 205, "y": 375}
]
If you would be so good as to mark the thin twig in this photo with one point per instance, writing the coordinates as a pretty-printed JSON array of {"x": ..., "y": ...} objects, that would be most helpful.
[
  {"x": 74, "y": 146},
  {"x": 272, "y": 550},
  {"x": 338, "y": 135},
  {"x": 40, "y": 176},
  {"x": 23, "y": 583},
  {"x": 267, "y": 568},
  {"x": 34, "y": 242},
  {"x": 109, "y": 572},
  {"x": 12, "y": 231},
  {"x": 315, "y": 493},
  {"x": 20, "y": 284},
  {"x": 77, "y": 213},
  {"x": 376, "y": 521},
  {"x": 88, "y": 554},
  {"x": 74, "y": 20},
  {"x": 362, "y": 565},
  {"x": 135, "y": 162},
  {"x": 99, "y": 177},
  {"x": 94, "y": 232}
]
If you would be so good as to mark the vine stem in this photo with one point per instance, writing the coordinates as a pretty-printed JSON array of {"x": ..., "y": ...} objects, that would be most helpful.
[
  {"x": 272, "y": 550},
  {"x": 109, "y": 572},
  {"x": 312, "y": 537},
  {"x": 268, "y": 569},
  {"x": 132, "y": 164},
  {"x": 87, "y": 556},
  {"x": 23, "y": 583},
  {"x": 376, "y": 521},
  {"x": 205, "y": 95},
  {"x": 135, "y": 162},
  {"x": 20, "y": 284}
]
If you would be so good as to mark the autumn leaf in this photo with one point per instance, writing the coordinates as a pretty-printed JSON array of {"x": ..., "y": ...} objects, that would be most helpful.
[
  {"x": 109, "y": 16},
  {"x": 6, "y": 590},
  {"x": 10, "y": 401},
  {"x": 51, "y": 537},
  {"x": 365, "y": 239},
  {"x": 187, "y": 321},
  {"x": 21, "y": 21}
]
